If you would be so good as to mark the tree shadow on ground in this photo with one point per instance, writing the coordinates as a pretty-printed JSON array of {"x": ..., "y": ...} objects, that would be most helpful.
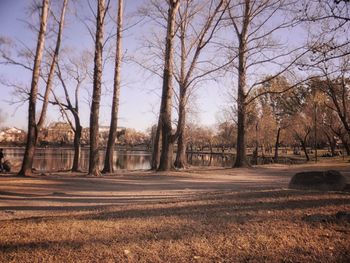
[{"x": 221, "y": 204}]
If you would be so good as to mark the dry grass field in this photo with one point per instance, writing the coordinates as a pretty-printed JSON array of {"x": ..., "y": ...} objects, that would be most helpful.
[{"x": 215, "y": 215}]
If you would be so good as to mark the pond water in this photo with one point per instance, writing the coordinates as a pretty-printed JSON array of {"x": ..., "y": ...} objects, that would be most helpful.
[{"x": 58, "y": 159}]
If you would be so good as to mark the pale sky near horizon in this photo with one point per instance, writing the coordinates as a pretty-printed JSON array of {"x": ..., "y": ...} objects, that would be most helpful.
[{"x": 139, "y": 102}]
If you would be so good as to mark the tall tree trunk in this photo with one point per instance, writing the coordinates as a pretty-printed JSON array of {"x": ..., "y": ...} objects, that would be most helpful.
[
  {"x": 188, "y": 67},
  {"x": 96, "y": 96},
  {"x": 32, "y": 135},
  {"x": 181, "y": 160},
  {"x": 156, "y": 147},
  {"x": 29, "y": 152},
  {"x": 241, "y": 157},
  {"x": 77, "y": 144},
  {"x": 166, "y": 158},
  {"x": 277, "y": 144},
  {"x": 108, "y": 164}
]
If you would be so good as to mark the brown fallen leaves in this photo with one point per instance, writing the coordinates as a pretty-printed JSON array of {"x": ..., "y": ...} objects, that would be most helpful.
[{"x": 251, "y": 226}]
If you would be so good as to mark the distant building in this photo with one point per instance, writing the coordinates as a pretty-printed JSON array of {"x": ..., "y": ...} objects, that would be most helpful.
[
  {"x": 59, "y": 132},
  {"x": 12, "y": 135},
  {"x": 103, "y": 132},
  {"x": 103, "y": 129}
]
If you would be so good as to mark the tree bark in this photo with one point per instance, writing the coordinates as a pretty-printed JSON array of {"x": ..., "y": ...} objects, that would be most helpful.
[
  {"x": 241, "y": 156},
  {"x": 96, "y": 96},
  {"x": 166, "y": 158},
  {"x": 181, "y": 160},
  {"x": 77, "y": 144},
  {"x": 108, "y": 164},
  {"x": 32, "y": 135},
  {"x": 277, "y": 144},
  {"x": 156, "y": 147}
]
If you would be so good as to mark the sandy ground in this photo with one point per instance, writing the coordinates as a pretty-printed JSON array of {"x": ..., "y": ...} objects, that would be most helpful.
[{"x": 58, "y": 193}]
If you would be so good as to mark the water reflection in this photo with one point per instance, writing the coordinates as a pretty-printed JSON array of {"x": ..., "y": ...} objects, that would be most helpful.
[
  {"x": 60, "y": 159},
  {"x": 197, "y": 159}
]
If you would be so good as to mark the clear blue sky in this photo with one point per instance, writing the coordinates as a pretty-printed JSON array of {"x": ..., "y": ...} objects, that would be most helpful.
[{"x": 139, "y": 94}]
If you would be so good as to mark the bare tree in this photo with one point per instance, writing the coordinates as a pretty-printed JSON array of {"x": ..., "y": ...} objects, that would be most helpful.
[
  {"x": 108, "y": 164},
  {"x": 33, "y": 126},
  {"x": 254, "y": 24},
  {"x": 338, "y": 91},
  {"x": 166, "y": 158},
  {"x": 76, "y": 71},
  {"x": 196, "y": 24},
  {"x": 97, "y": 86},
  {"x": 157, "y": 12},
  {"x": 328, "y": 25},
  {"x": 194, "y": 38},
  {"x": 333, "y": 80}
]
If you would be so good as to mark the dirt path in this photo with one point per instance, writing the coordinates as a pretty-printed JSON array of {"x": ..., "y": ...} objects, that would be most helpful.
[{"x": 60, "y": 193}]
